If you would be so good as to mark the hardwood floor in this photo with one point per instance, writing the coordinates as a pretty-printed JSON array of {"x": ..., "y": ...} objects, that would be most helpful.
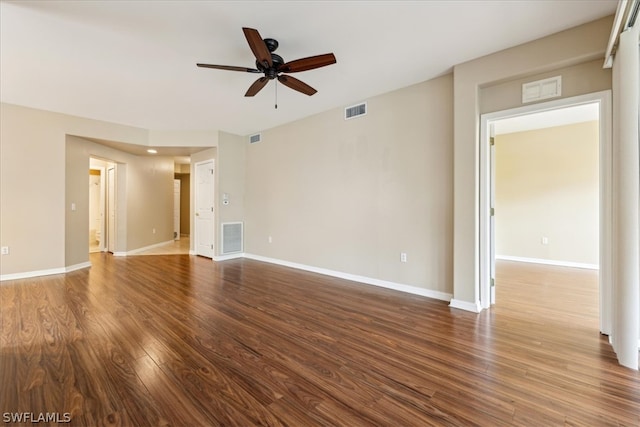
[
  {"x": 182, "y": 341},
  {"x": 176, "y": 247}
]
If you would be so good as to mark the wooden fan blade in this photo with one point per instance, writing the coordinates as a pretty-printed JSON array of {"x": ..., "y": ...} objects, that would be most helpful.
[
  {"x": 229, "y": 68},
  {"x": 296, "y": 84},
  {"x": 256, "y": 86},
  {"x": 258, "y": 47},
  {"x": 309, "y": 63}
]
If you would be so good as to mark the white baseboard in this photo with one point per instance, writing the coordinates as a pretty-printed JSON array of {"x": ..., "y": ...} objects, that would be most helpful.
[
  {"x": 48, "y": 272},
  {"x": 75, "y": 267},
  {"x": 465, "y": 305},
  {"x": 29, "y": 274},
  {"x": 443, "y": 296},
  {"x": 549, "y": 262},
  {"x": 228, "y": 257},
  {"x": 146, "y": 248}
]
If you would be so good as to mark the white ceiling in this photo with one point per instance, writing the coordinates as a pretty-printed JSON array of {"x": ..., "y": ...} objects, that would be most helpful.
[{"x": 133, "y": 62}]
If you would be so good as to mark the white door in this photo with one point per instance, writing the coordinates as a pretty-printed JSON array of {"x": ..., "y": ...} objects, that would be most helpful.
[
  {"x": 204, "y": 209},
  {"x": 176, "y": 209},
  {"x": 111, "y": 209}
]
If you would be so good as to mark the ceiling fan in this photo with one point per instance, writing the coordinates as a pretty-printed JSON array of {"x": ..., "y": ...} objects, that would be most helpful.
[{"x": 272, "y": 65}]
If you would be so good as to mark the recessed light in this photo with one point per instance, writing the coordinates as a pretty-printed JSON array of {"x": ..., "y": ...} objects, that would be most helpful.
[{"x": 152, "y": 151}]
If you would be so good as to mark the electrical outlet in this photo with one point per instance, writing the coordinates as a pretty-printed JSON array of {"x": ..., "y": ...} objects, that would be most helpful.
[
  {"x": 545, "y": 240},
  {"x": 270, "y": 239},
  {"x": 403, "y": 257},
  {"x": 154, "y": 231},
  {"x": 5, "y": 250}
]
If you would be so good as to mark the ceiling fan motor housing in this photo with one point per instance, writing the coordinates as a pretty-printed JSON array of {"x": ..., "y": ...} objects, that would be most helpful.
[
  {"x": 272, "y": 44},
  {"x": 271, "y": 72}
]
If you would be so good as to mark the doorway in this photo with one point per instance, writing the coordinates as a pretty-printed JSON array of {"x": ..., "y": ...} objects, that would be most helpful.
[
  {"x": 488, "y": 214},
  {"x": 102, "y": 205},
  {"x": 96, "y": 209}
]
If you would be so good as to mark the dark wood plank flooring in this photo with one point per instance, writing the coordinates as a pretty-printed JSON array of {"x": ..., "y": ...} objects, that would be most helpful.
[{"x": 182, "y": 341}]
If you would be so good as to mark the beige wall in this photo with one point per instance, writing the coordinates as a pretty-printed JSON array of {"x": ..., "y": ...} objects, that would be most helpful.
[
  {"x": 350, "y": 196},
  {"x": 230, "y": 177},
  {"x": 342, "y": 195},
  {"x": 33, "y": 212},
  {"x": 586, "y": 77},
  {"x": 144, "y": 198},
  {"x": 38, "y": 151},
  {"x": 185, "y": 202},
  {"x": 569, "y": 48},
  {"x": 547, "y": 186}
]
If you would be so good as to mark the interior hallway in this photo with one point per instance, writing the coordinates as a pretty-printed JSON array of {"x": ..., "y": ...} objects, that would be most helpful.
[{"x": 176, "y": 247}]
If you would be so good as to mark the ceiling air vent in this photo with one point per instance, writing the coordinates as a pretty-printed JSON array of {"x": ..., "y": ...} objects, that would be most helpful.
[
  {"x": 255, "y": 138},
  {"x": 355, "y": 111}
]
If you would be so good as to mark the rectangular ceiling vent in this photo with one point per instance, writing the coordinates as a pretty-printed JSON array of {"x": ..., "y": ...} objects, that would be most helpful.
[
  {"x": 542, "y": 89},
  {"x": 255, "y": 138},
  {"x": 231, "y": 237},
  {"x": 355, "y": 111}
]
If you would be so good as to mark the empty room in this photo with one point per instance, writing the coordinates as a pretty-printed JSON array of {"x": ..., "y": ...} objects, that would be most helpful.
[{"x": 313, "y": 213}]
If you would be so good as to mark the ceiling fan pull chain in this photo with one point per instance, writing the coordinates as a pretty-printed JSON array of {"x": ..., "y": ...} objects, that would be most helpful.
[{"x": 276, "y": 94}]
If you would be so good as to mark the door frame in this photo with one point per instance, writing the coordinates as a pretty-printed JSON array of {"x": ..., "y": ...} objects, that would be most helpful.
[
  {"x": 111, "y": 205},
  {"x": 486, "y": 259},
  {"x": 176, "y": 227},
  {"x": 102, "y": 206}
]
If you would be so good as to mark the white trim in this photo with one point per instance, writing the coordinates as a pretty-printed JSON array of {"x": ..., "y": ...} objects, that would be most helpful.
[
  {"x": 48, "y": 272},
  {"x": 146, "y": 248},
  {"x": 465, "y": 305},
  {"x": 621, "y": 23},
  {"x": 29, "y": 274},
  {"x": 75, "y": 267},
  {"x": 549, "y": 262},
  {"x": 228, "y": 257},
  {"x": 603, "y": 98},
  {"x": 615, "y": 32},
  {"x": 119, "y": 253},
  {"x": 443, "y": 296}
]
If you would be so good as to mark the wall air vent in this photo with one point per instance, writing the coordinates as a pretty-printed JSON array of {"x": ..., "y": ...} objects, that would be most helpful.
[
  {"x": 542, "y": 89},
  {"x": 355, "y": 111},
  {"x": 231, "y": 237},
  {"x": 255, "y": 138}
]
